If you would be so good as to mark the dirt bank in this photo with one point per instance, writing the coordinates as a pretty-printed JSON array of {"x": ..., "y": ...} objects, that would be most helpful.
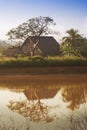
[{"x": 43, "y": 70}]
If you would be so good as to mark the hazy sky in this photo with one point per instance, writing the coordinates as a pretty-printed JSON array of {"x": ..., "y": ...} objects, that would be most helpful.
[{"x": 66, "y": 13}]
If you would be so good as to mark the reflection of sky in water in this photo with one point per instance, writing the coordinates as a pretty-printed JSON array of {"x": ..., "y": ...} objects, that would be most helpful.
[
  {"x": 57, "y": 109},
  {"x": 6, "y": 96},
  {"x": 7, "y": 117}
]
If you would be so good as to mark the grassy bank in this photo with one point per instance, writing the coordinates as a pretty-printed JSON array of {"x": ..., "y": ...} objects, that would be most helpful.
[
  {"x": 43, "y": 65},
  {"x": 42, "y": 61}
]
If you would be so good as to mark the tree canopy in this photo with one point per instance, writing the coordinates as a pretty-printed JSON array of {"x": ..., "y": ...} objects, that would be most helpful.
[{"x": 35, "y": 26}]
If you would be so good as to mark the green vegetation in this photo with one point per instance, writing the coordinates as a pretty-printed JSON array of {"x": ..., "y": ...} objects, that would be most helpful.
[
  {"x": 74, "y": 44},
  {"x": 38, "y": 61}
]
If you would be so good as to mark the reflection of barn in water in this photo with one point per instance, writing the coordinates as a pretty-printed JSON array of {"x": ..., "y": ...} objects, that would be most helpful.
[{"x": 41, "y": 93}]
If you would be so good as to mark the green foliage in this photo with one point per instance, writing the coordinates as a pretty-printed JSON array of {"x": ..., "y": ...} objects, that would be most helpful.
[
  {"x": 38, "y": 61},
  {"x": 20, "y": 55},
  {"x": 74, "y": 44}
]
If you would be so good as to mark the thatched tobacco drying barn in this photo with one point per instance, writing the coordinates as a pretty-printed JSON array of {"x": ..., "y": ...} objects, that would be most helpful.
[{"x": 47, "y": 46}]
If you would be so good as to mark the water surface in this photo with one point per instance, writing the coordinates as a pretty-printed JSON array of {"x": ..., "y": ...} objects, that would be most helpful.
[{"x": 46, "y": 102}]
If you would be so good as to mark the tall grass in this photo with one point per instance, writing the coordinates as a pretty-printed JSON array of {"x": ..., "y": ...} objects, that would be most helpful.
[{"x": 42, "y": 61}]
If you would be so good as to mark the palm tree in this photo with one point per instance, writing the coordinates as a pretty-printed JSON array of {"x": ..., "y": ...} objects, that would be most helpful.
[{"x": 70, "y": 42}]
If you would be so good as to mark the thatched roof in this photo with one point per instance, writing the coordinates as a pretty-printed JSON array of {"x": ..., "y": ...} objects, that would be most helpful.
[
  {"x": 12, "y": 51},
  {"x": 45, "y": 93},
  {"x": 47, "y": 46}
]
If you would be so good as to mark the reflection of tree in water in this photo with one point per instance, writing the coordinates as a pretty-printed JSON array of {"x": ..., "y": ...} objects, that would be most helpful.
[
  {"x": 74, "y": 95},
  {"x": 39, "y": 112},
  {"x": 34, "y": 110}
]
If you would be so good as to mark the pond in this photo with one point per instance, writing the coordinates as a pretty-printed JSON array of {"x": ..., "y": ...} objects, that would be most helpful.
[{"x": 43, "y": 102}]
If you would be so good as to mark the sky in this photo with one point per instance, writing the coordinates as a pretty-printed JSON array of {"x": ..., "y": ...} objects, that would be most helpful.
[{"x": 66, "y": 13}]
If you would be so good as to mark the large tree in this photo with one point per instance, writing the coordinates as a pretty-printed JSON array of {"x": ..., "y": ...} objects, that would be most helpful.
[
  {"x": 73, "y": 44},
  {"x": 33, "y": 27}
]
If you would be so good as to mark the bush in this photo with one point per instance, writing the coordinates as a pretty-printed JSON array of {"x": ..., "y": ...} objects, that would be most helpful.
[{"x": 42, "y": 61}]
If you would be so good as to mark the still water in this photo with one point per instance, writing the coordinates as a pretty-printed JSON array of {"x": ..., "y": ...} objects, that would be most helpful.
[{"x": 46, "y": 102}]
